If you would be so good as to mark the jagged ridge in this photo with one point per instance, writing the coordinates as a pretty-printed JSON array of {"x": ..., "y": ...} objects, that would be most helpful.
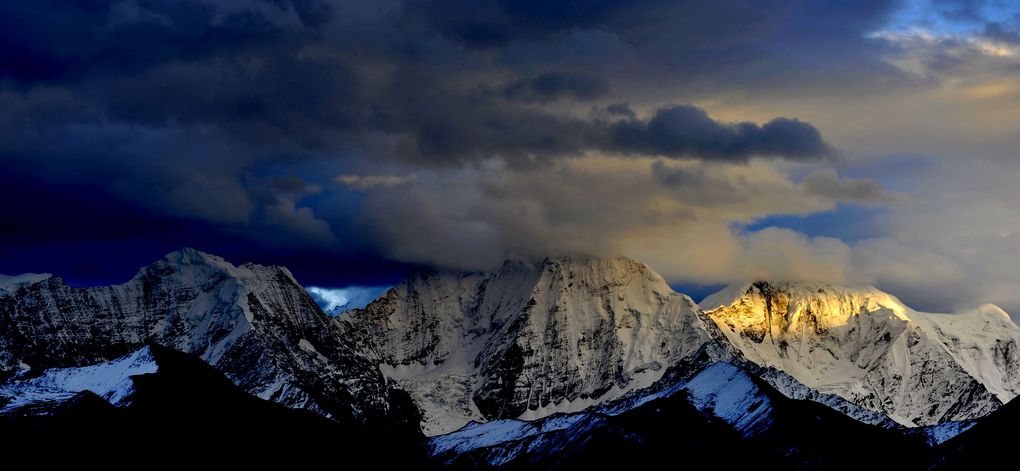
[
  {"x": 527, "y": 340},
  {"x": 867, "y": 347},
  {"x": 254, "y": 323}
]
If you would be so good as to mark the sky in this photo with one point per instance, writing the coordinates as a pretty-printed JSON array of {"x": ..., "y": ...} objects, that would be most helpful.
[{"x": 872, "y": 142}]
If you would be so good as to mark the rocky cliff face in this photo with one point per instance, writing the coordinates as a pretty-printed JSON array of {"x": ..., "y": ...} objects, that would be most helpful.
[
  {"x": 160, "y": 406},
  {"x": 983, "y": 341},
  {"x": 254, "y": 323},
  {"x": 720, "y": 415},
  {"x": 527, "y": 340},
  {"x": 867, "y": 347}
]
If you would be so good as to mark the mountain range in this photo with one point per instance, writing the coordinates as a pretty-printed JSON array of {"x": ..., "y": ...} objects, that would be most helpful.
[{"x": 567, "y": 362}]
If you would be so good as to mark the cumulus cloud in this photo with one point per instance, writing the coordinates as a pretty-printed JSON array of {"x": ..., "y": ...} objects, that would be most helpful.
[
  {"x": 687, "y": 131},
  {"x": 681, "y": 217},
  {"x": 783, "y": 254},
  {"x": 472, "y": 129},
  {"x": 336, "y": 300},
  {"x": 961, "y": 238},
  {"x": 290, "y": 220}
]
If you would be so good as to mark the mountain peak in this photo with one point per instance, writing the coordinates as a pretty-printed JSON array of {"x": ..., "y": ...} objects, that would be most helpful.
[
  {"x": 866, "y": 296},
  {"x": 527, "y": 340},
  {"x": 593, "y": 261},
  {"x": 606, "y": 271},
  {"x": 255, "y": 323},
  {"x": 989, "y": 309},
  {"x": 188, "y": 256},
  {"x": 190, "y": 263},
  {"x": 866, "y": 346}
]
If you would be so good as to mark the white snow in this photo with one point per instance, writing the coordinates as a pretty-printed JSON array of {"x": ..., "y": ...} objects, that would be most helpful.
[
  {"x": 9, "y": 284},
  {"x": 728, "y": 393},
  {"x": 867, "y": 347},
  {"x": 984, "y": 341},
  {"x": 724, "y": 297},
  {"x": 720, "y": 389},
  {"x": 939, "y": 434},
  {"x": 110, "y": 380},
  {"x": 438, "y": 333},
  {"x": 480, "y": 435}
]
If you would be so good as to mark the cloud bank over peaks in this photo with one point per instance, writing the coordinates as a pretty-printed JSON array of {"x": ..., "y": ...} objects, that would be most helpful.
[
  {"x": 348, "y": 139},
  {"x": 684, "y": 218}
]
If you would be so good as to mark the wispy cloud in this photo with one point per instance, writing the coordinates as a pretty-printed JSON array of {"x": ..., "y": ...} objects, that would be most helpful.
[{"x": 336, "y": 300}]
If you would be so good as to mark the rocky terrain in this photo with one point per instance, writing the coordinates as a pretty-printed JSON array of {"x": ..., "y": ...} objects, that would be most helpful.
[
  {"x": 867, "y": 347},
  {"x": 564, "y": 362},
  {"x": 254, "y": 323},
  {"x": 527, "y": 340}
]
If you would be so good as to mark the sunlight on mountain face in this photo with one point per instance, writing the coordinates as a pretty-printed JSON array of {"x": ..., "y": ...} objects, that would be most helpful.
[{"x": 337, "y": 300}]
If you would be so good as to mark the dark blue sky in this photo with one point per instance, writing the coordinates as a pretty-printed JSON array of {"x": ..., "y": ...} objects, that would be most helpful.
[{"x": 352, "y": 141}]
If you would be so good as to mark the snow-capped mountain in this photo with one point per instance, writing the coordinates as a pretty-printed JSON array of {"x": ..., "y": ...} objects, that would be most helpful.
[
  {"x": 254, "y": 323},
  {"x": 110, "y": 380},
  {"x": 742, "y": 420},
  {"x": 161, "y": 405},
  {"x": 527, "y": 341},
  {"x": 987, "y": 444},
  {"x": 865, "y": 346},
  {"x": 529, "y": 361},
  {"x": 720, "y": 390}
]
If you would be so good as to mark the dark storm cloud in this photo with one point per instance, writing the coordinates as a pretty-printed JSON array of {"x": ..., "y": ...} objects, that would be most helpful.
[
  {"x": 217, "y": 116},
  {"x": 53, "y": 40},
  {"x": 494, "y": 23},
  {"x": 620, "y": 109},
  {"x": 289, "y": 184},
  {"x": 269, "y": 95},
  {"x": 703, "y": 24},
  {"x": 555, "y": 85},
  {"x": 525, "y": 136},
  {"x": 769, "y": 44},
  {"x": 249, "y": 72},
  {"x": 687, "y": 131}
]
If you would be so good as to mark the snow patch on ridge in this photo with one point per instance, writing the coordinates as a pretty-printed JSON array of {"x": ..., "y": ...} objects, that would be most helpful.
[
  {"x": 984, "y": 341},
  {"x": 110, "y": 380},
  {"x": 10, "y": 284},
  {"x": 730, "y": 394},
  {"x": 479, "y": 346},
  {"x": 724, "y": 297},
  {"x": 867, "y": 347},
  {"x": 720, "y": 389},
  {"x": 939, "y": 434},
  {"x": 480, "y": 435}
]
